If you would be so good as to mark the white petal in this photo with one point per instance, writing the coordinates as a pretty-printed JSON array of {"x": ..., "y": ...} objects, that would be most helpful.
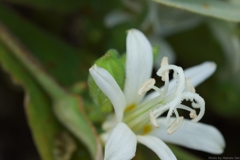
[
  {"x": 192, "y": 135},
  {"x": 197, "y": 75},
  {"x": 139, "y": 63},
  {"x": 110, "y": 88},
  {"x": 200, "y": 73},
  {"x": 158, "y": 146},
  {"x": 121, "y": 144}
]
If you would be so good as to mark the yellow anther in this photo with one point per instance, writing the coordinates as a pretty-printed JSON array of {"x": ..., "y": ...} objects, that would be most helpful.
[
  {"x": 193, "y": 114},
  {"x": 153, "y": 119}
]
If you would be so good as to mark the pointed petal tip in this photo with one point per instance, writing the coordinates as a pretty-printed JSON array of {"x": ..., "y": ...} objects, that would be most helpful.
[
  {"x": 93, "y": 67},
  {"x": 137, "y": 33},
  {"x": 132, "y": 30},
  {"x": 201, "y": 72},
  {"x": 211, "y": 64},
  {"x": 210, "y": 67}
]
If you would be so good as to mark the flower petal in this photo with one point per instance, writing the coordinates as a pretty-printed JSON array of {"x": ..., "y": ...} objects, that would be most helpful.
[
  {"x": 110, "y": 88},
  {"x": 192, "y": 135},
  {"x": 196, "y": 74},
  {"x": 200, "y": 73},
  {"x": 158, "y": 146},
  {"x": 139, "y": 63},
  {"x": 121, "y": 144}
]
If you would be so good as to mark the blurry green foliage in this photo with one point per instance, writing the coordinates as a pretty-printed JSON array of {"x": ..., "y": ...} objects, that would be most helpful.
[
  {"x": 45, "y": 127},
  {"x": 64, "y": 62},
  {"x": 69, "y": 65},
  {"x": 59, "y": 5},
  {"x": 227, "y": 10},
  {"x": 59, "y": 55}
]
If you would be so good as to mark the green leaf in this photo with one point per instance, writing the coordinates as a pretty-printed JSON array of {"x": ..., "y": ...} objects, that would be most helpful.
[
  {"x": 46, "y": 129},
  {"x": 69, "y": 111},
  {"x": 227, "y": 10},
  {"x": 37, "y": 105},
  {"x": 224, "y": 93},
  {"x": 68, "y": 108},
  {"x": 143, "y": 153},
  {"x": 54, "y": 54},
  {"x": 181, "y": 154}
]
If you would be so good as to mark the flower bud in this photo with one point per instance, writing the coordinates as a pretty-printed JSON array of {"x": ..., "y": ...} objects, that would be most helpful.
[{"x": 111, "y": 62}]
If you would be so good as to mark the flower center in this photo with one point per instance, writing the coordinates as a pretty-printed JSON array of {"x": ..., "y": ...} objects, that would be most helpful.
[{"x": 168, "y": 99}]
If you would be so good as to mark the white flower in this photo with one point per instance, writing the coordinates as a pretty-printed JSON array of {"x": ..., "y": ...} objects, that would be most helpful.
[{"x": 136, "y": 116}]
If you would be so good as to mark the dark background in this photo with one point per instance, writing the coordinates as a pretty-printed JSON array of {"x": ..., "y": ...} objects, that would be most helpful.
[{"x": 82, "y": 27}]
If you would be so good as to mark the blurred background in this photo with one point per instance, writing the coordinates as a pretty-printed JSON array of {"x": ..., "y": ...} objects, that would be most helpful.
[{"x": 67, "y": 36}]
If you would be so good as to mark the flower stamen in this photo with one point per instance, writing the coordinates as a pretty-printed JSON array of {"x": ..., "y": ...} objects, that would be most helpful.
[
  {"x": 153, "y": 119},
  {"x": 200, "y": 103},
  {"x": 176, "y": 124},
  {"x": 164, "y": 62},
  {"x": 189, "y": 86},
  {"x": 171, "y": 101},
  {"x": 146, "y": 86},
  {"x": 193, "y": 114}
]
